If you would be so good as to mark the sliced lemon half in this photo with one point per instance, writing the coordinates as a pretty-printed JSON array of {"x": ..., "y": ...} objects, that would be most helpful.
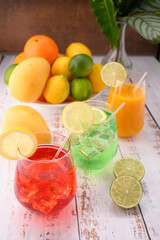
[
  {"x": 99, "y": 116},
  {"x": 113, "y": 74},
  {"x": 16, "y": 141},
  {"x": 79, "y": 116}
]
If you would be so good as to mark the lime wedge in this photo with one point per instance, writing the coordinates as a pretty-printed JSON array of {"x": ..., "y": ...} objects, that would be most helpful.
[
  {"x": 129, "y": 167},
  {"x": 113, "y": 74},
  {"x": 79, "y": 116},
  {"x": 17, "y": 140},
  {"x": 126, "y": 191},
  {"x": 99, "y": 115}
]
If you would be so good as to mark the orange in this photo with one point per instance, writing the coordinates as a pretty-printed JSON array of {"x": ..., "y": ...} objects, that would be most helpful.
[
  {"x": 70, "y": 99},
  {"x": 95, "y": 78},
  {"x": 41, "y": 46},
  {"x": 20, "y": 57}
]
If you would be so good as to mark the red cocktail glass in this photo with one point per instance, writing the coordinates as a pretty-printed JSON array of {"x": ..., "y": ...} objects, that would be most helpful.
[{"x": 42, "y": 183}]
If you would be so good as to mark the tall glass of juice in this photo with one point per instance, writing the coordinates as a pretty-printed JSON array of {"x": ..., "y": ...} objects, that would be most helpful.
[
  {"x": 98, "y": 145},
  {"x": 130, "y": 119},
  {"x": 44, "y": 184}
]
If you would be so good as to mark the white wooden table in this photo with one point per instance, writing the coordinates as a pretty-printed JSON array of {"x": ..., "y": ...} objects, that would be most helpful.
[{"x": 92, "y": 214}]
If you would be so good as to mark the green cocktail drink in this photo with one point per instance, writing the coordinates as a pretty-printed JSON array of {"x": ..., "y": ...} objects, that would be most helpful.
[{"x": 98, "y": 145}]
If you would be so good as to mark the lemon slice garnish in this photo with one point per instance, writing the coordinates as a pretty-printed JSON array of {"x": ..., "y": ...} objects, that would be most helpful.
[
  {"x": 99, "y": 115},
  {"x": 79, "y": 116},
  {"x": 17, "y": 141}
]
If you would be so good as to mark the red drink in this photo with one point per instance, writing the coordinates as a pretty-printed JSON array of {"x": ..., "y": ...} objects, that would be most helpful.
[{"x": 44, "y": 185}]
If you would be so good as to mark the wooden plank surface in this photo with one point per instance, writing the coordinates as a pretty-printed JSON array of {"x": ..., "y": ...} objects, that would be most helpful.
[{"x": 92, "y": 214}]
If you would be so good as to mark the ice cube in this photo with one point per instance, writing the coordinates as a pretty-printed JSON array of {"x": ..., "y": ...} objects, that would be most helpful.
[
  {"x": 88, "y": 152},
  {"x": 100, "y": 143}
]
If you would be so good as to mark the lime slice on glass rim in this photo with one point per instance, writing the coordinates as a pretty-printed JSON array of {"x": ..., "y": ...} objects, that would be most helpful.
[
  {"x": 126, "y": 191},
  {"x": 79, "y": 116},
  {"x": 129, "y": 167},
  {"x": 99, "y": 116},
  {"x": 17, "y": 141},
  {"x": 113, "y": 74}
]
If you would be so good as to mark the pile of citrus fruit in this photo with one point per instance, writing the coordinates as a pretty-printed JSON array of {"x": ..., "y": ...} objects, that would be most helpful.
[{"x": 41, "y": 73}]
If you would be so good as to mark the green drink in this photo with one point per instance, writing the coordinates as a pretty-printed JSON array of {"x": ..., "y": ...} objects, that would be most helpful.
[{"x": 98, "y": 145}]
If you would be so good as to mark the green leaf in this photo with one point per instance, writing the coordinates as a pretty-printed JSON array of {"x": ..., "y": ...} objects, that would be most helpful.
[
  {"x": 147, "y": 25},
  {"x": 123, "y": 7},
  {"x": 147, "y": 6},
  {"x": 104, "y": 12}
]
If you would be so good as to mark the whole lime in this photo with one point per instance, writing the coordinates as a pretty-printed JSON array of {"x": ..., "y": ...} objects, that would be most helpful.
[
  {"x": 80, "y": 65},
  {"x": 81, "y": 89},
  {"x": 8, "y": 73}
]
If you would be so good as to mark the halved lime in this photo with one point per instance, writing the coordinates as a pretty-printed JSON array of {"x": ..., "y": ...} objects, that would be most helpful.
[
  {"x": 113, "y": 74},
  {"x": 126, "y": 191},
  {"x": 129, "y": 167},
  {"x": 79, "y": 116},
  {"x": 99, "y": 115}
]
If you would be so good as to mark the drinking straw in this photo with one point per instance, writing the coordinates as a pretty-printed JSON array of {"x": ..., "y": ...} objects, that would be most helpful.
[
  {"x": 139, "y": 82},
  {"x": 117, "y": 110},
  {"x": 64, "y": 141}
]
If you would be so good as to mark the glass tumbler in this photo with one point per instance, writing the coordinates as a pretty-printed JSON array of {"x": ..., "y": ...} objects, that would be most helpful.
[{"x": 44, "y": 184}]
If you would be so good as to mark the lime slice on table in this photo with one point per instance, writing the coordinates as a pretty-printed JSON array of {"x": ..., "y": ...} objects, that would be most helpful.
[
  {"x": 113, "y": 74},
  {"x": 17, "y": 140},
  {"x": 126, "y": 191},
  {"x": 129, "y": 167},
  {"x": 99, "y": 116},
  {"x": 79, "y": 116}
]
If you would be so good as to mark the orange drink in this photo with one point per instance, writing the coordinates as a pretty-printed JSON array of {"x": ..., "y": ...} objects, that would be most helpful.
[{"x": 130, "y": 119}]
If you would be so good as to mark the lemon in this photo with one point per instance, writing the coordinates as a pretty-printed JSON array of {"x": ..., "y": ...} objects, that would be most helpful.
[
  {"x": 113, "y": 74},
  {"x": 79, "y": 116},
  {"x": 77, "y": 48},
  {"x": 8, "y": 73},
  {"x": 81, "y": 89},
  {"x": 129, "y": 167},
  {"x": 95, "y": 78},
  {"x": 57, "y": 89},
  {"x": 99, "y": 115},
  {"x": 16, "y": 141},
  {"x": 61, "y": 66},
  {"x": 80, "y": 65},
  {"x": 126, "y": 191}
]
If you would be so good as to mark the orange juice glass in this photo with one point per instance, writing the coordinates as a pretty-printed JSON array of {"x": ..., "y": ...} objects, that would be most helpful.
[{"x": 130, "y": 119}]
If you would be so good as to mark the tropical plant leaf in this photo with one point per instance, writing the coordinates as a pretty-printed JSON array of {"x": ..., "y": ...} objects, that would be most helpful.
[
  {"x": 147, "y": 6},
  {"x": 104, "y": 12},
  {"x": 123, "y": 7},
  {"x": 147, "y": 25}
]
